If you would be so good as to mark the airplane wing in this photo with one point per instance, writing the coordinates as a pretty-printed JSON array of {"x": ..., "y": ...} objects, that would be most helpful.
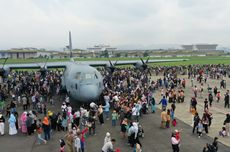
[
  {"x": 91, "y": 63},
  {"x": 36, "y": 65},
  {"x": 129, "y": 62}
]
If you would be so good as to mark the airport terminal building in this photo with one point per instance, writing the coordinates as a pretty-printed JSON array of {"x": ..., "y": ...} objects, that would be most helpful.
[{"x": 200, "y": 47}]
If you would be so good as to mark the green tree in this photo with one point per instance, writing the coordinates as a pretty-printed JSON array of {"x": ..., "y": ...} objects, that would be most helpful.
[
  {"x": 118, "y": 55},
  {"x": 145, "y": 54}
]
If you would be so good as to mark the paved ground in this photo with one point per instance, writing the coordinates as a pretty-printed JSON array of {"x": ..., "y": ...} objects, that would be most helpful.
[
  {"x": 218, "y": 110},
  {"x": 155, "y": 140}
]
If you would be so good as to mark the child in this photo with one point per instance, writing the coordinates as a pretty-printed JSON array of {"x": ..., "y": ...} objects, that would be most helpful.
[
  {"x": 168, "y": 119},
  {"x": 82, "y": 138},
  {"x": 77, "y": 143},
  {"x": 172, "y": 114},
  {"x": 39, "y": 132},
  {"x": 114, "y": 117},
  {"x": 218, "y": 96},
  {"x": 223, "y": 132},
  {"x": 62, "y": 145},
  {"x": 199, "y": 129},
  {"x": 174, "y": 122},
  {"x": 107, "y": 138}
]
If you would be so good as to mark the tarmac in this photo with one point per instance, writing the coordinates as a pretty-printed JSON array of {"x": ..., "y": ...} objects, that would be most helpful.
[{"x": 156, "y": 139}]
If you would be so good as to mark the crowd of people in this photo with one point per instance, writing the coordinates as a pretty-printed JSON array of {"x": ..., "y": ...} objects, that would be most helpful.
[{"x": 128, "y": 95}]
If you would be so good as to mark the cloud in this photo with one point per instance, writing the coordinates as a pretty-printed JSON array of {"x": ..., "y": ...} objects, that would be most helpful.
[{"x": 42, "y": 23}]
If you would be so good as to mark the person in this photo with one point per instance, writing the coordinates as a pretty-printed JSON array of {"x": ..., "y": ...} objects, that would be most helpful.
[
  {"x": 106, "y": 110},
  {"x": 215, "y": 143},
  {"x": 195, "y": 90},
  {"x": 92, "y": 125},
  {"x": 163, "y": 118},
  {"x": 163, "y": 102},
  {"x": 100, "y": 115},
  {"x": 193, "y": 103},
  {"x": 107, "y": 138},
  {"x": 153, "y": 105},
  {"x": 77, "y": 142},
  {"x": 39, "y": 132},
  {"x": 62, "y": 145},
  {"x": 29, "y": 124},
  {"x": 174, "y": 122},
  {"x": 215, "y": 91},
  {"x": 124, "y": 126},
  {"x": 2, "y": 125},
  {"x": 205, "y": 122},
  {"x": 223, "y": 132},
  {"x": 210, "y": 99},
  {"x": 12, "y": 126},
  {"x": 200, "y": 129},
  {"x": 133, "y": 134},
  {"x": 168, "y": 119},
  {"x": 205, "y": 104},
  {"x": 82, "y": 137},
  {"x": 114, "y": 117},
  {"x": 175, "y": 143},
  {"x": 209, "y": 148},
  {"x": 46, "y": 128},
  {"x": 23, "y": 122},
  {"x": 218, "y": 95},
  {"x": 196, "y": 120},
  {"x": 108, "y": 147},
  {"x": 227, "y": 123},
  {"x": 69, "y": 140},
  {"x": 226, "y": 99},
  {"x": 24, "y": 102}
]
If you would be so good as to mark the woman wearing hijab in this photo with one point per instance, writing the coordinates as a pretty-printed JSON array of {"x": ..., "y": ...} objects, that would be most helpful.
[
  {"x": 2, "y": 124},
  {"x": 23, "y": 122},
  {"x": 12, "y": 127}
]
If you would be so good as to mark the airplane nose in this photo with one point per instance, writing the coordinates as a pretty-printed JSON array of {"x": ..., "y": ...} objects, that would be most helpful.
[{"x": 89, "y": 92}]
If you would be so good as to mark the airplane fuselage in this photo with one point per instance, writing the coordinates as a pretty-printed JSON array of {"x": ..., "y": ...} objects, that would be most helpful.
[{"x": 82, "y": 82}]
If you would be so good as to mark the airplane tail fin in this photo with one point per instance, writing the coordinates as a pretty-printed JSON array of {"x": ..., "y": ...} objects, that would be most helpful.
[{"x": 70, "y": 45}]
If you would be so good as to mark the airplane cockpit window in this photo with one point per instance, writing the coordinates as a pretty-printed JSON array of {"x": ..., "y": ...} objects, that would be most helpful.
[
  {"x": 90, "y": 76},
  {"x": 85, "y": 76}
]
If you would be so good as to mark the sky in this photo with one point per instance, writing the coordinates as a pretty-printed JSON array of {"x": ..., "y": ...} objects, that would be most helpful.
[{"x": 119, "y": 23}]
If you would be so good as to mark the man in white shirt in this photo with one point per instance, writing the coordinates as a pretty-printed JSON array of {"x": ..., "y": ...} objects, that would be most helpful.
[{"x": 108, "y": 147}]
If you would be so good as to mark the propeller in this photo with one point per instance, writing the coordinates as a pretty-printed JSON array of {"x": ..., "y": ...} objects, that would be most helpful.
[
  {"x": 43, "y": 69},
  {"x": 2, "y": 70},
  {"x": 111, "y": 67},
  {"x": 144, "y": 64}
]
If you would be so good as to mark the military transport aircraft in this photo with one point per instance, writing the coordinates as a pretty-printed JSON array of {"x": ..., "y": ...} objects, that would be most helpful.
[{"x": 82, "y": 81}]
